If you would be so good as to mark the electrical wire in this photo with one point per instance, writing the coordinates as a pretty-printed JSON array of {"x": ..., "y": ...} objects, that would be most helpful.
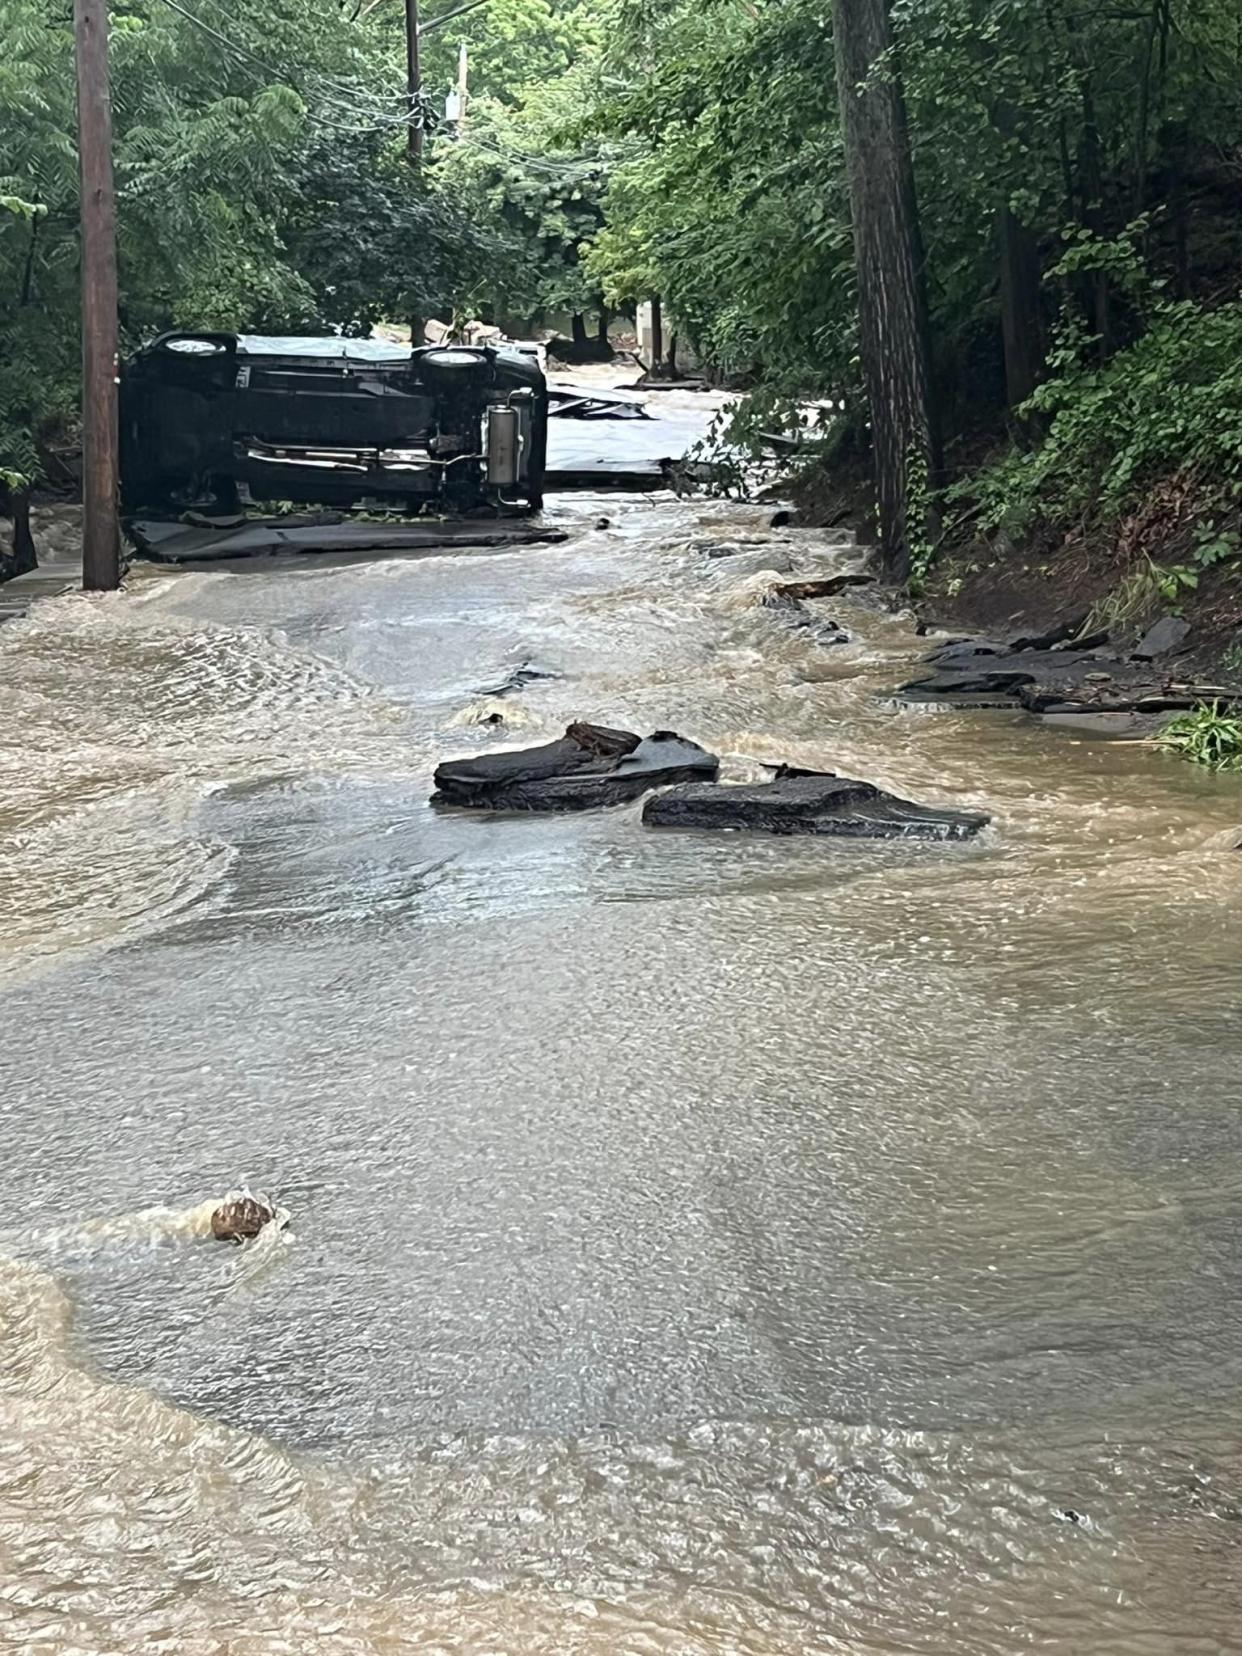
[
  {"x": 354, "y": 96},
  {"x": 416, "y": 117},
  {"x": 535, "y": 163},
  {"x": 448, "y": 16}
]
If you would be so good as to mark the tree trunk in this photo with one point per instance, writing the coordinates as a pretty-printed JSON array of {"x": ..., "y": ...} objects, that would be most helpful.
[
  {"x": 1021, "y": 321},
  {"x": 578, "y": 323},
  {"x": 670, "y": 361},
  {"x": 1155, "y": 65},
  {"x": 605, "y": 318},
  {"x": 657, "y": 336},
  {"x": 24, "y": 556},
  {"x": 1096, "y": 295},
  {"x": 1175, "y": 193},
  {"x": 892, "y": 310}
]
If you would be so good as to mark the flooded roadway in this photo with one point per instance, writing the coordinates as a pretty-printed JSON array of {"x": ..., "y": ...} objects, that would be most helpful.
[{"x": 699, "y": 1245}]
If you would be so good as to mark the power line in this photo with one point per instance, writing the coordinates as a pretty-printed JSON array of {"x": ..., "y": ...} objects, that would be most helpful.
[
  {"x": 354, "y": 95},
  {"x": 535, "y": 163},
  {"x": 448, "y": 16},
  {"x": 385, "y": 124}
]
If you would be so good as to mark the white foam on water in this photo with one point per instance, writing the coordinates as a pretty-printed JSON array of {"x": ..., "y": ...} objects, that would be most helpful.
[
  {"x": 132, "y": 1524},
  {"x": 504, "y": 712}
]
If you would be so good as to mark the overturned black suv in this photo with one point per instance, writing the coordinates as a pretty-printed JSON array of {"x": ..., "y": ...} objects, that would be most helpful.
[{"x": 219, "y": 419}]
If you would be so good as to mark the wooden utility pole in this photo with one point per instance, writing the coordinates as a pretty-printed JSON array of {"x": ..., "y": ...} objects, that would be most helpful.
[
  {"x": 413, "y": 83},
  {"x": 101, "y": 536},
  {"x": 892, "y": 312}
]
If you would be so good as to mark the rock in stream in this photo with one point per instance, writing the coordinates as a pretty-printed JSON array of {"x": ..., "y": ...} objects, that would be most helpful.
[{"x": 1087, "y": 679}]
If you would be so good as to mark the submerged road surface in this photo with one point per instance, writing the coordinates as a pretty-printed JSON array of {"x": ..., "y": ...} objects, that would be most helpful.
[{"x": 698, "y": 1244}]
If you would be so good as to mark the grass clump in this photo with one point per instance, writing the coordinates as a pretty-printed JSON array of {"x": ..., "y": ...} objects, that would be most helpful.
[{"x": 1209, "y": 736}]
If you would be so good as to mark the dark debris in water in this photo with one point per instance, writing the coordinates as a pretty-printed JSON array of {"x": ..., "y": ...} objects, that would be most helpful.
[
  {"x": 240, "y": 1219},
  {"x": 525, "y": 673},
  {"x": 799, "y": 801},
  {"x": 589, "y": 766}
]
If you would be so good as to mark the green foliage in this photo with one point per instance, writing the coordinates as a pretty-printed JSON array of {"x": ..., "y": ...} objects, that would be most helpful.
[
  {"x": 732, "y": 207},
  {"x": 1214, "y": 546},
  {"x": 536, "y": 193},
  {"x": 38, "y": 265},
  {"x": 1119, "y": 258},
  {"x": 1148, "y": 590},
  {"x": 920, "y": 507},
  {"x": 368, "y": 242},
  {"x": 1072, "y": 122},
  {"x": 1208, "y": 736},
  {"x": 515, "y": 47},
  {"x": 1170, "y": 402}
]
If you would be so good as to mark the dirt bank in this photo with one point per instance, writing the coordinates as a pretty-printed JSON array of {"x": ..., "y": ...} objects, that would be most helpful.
[{"x": 1122, "y": 580}]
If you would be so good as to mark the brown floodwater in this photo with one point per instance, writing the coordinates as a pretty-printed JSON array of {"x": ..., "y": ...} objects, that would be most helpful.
[{"x": 698, "y": 1244}]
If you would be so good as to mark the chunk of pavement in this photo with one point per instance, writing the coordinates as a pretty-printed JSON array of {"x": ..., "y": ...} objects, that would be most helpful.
[
  {"x": 1126, "y": 687},
  {"x": 589, "y": 766},
  {"x": 1057, "y": 632},
  {"x": 239, "y": 1218},
  {"x": 728, "y": 548},
  {"x": 807, "y": 802},
  {"x": 963, "y": 651},
  {"x": 1168, "y": 634},
  {"x": 965, "y": 685},
  {"x": 794, "y": 613},
  {"x": 962, "y": 677},
  {"x": 827, "y": 586},
  {"x": 968, "y": 651},
  {"x": 526, "y": 672}
]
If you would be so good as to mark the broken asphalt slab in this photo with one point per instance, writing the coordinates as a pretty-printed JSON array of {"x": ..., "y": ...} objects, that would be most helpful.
[
  {"x": 592, "y": 766},
  {"x": 524, "y": 674},
  {"x": 807, "y": 803},
  {"x": 1083, "y": 677},
  {"x": 588, "y": 767},
  {"x": 827, "y": 586},
  {"x": 792, "y": 612},
  {"x": 584, "y": 402},
  {"x": 177, "y": 542}
]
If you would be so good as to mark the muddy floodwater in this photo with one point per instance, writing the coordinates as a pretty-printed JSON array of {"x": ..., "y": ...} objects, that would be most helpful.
[{"x": 698, "y": 1244}]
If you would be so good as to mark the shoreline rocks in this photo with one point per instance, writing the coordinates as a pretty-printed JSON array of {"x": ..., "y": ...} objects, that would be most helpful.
[{"x": 1066, "y": 678}]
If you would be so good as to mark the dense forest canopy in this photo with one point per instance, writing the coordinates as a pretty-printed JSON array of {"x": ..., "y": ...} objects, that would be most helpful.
[{"x": 1077, "y": 179}]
